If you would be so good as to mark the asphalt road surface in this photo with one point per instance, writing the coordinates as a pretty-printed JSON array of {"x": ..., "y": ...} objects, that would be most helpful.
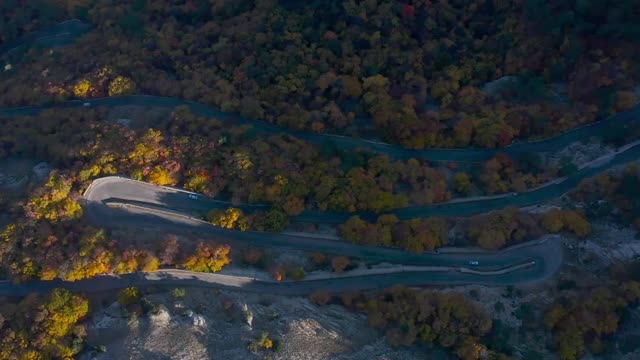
[
  {"x": 179, "y": 278},
  {"x": 528, "y": 263},
  {"x": 120, "y": 202}
]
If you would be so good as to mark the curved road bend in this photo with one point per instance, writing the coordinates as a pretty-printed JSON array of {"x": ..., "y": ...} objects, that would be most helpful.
[
  {"x": 122, "y": 190},
  {"x": 100, "y": 214},
  {"x": 179, "y": 278},
  {"x": 547, "y": 255}
]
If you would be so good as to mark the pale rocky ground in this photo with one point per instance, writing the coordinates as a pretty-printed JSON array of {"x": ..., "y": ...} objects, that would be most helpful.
[
  {"x": 308, "y": 331},
  {"x": 198, "y": 327},
  {"x": 580, "y": 153},
  {"x": 16, "y": 176},
  {"x": 16, "y": 172},
  {"x": 610, "y": 244}
]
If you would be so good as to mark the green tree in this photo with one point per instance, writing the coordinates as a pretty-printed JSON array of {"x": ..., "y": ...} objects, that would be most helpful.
[
  {"x": 121, "y": 85},
  {"x": 129, "y": 296},
  {"x": 354, "y": 229},
  {"x": 276, "y": 220},
  {"x": 462, "y": 183}
]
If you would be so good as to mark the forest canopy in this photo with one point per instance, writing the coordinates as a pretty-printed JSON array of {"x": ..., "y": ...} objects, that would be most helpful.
[
  {"x": 43, "y": 327},
  {"x": 418, "y": 71}
]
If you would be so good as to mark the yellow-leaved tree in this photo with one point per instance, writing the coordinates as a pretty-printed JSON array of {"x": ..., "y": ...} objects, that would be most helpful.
[
  {"x": 82, "y": 88},
  {"x": 556, "y": 220},
  {"x": 231, "y": 218},
  {"x": 94, "y": 257},
  {"x": 121, "y": 85},
  {"x": 148, "y": 149},
  {"x": 208, "y": 257},
  {"x": 44, "y": 327},
  {"x": 55, "y": 203},
  {"x": 161, "y": 176}
]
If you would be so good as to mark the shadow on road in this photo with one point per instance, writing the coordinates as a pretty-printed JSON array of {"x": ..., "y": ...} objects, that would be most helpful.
[{"x": 178, "y": 278}]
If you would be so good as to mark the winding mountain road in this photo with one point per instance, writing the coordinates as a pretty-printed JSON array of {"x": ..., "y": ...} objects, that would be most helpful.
[
  {"x": 527, "y": 263},
  {"x": 114, "y": 202},
  {"x": 117, "y": 202}
]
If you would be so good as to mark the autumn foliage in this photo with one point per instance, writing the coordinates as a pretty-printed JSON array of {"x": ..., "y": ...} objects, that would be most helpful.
[
  {"x": 510, "y": 226},
  {"x": 205, "y": 156},
  {"x": 572, "y": 221},
  {"x": 231, "y": 218},
  {"x": 416, "y": 235},
  {"x": 421, "y": 88},
  {"x": 582, "y": 321},
  {"x": 208, "y": 257},
  {"x": 72, "y": 251},
  {"x": 447, "y": 319},
  {"x": 339, "y": 263},
  {"x": 87, "y": 252},
  {"x": 55, "y": 201},
  {"x": 503, "y": 174},
  {"x": 43, "y": 327},
  {"x": 619, "y": 191}
]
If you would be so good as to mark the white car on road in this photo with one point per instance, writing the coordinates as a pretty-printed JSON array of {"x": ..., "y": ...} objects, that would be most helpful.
[
  {"x": 194, "y": 197},
  {"x": 474, "y": 262}
]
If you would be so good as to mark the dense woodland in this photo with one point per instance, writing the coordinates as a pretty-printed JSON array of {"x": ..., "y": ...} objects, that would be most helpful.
[
  {"x": 417, "y": 73},
  {"x": 416, "y": 69},
  {"x": 409, "y": 316},
  {"x": 510, "y": 226},
  {"x": 615, "y": 194},
  {"x": 19, "y": 18},
  {"x": 69, "y": 250},
  {"x": 207, "y": 156},
  {"x": 492, "y": 231},
  {"x": 584, "y": 319},
  {"x": 43, "y": 326},
  {"x": 416, "y": 235}
]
